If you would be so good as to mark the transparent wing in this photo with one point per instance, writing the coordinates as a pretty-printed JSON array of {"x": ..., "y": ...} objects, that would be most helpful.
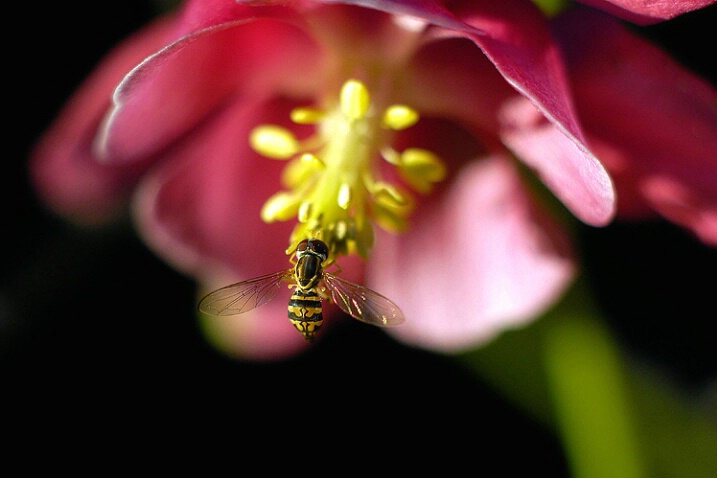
[
  {"x": 362, "y": 303},
  {"x": 244, "y": 296}
]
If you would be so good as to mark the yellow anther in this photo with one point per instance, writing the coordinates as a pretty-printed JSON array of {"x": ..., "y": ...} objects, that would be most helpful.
[
  {"x": 391, "y": 155},
  {"x": 422, "y": 168},
  {"x": 334, "y": 186},
  {"x": 307, "y": 115},
  {"x": 364, "y": 237},
  {"x": 304, "y": 212},
  {"x": 301, "y": 169},
  {"x": 398, "y": 117},
  {"x": 425, "y": 163},
  {"x": 345, "y": 196},
  {"x": 341, "y": 229},
  {"x": 280, "y": 207},
  {"x": 389, "y": 218},
  {"x": 355, "y": 100},
  {"x": 384, "y": 191},
  {"x": 273, "y": 142},
  {"x": 313, "y": 161}
]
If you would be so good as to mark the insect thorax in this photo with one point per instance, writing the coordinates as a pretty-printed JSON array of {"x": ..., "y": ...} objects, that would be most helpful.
[{"x": 308, "y": 272}]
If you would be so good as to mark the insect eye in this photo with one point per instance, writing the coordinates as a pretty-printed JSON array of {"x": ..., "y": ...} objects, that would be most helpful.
[
  {"x": 302, "y": 247},
  {"x": 319, "y": 247}
]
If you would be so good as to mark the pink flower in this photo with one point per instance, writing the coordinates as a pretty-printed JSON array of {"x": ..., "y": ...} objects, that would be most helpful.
[{"x": 488, "y": 80}]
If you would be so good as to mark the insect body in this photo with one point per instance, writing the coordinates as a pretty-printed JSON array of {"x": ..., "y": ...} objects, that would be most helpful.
[{"x": 311, "y": 285}]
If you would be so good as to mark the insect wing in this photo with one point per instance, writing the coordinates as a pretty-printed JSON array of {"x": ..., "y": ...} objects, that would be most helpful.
[
  {"x": 244, "y": 296},
  {"x": 362, "y": 303}
]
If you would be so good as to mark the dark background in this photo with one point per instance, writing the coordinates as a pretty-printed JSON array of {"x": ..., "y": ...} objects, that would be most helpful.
[{"x": 92, "y": 325}]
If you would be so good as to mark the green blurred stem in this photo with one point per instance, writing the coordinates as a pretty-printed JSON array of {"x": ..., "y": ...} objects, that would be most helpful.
[
  {"x": 551, "y": 7},
  {"x": 592, "y": 407},
  {"x": 615, "y": 419}
]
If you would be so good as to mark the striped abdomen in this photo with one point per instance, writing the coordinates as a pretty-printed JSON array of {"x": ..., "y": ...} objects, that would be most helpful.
[{"x": 305, "y": 312}]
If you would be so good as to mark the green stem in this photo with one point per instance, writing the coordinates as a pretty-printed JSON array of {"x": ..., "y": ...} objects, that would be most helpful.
[
  {"x": 593, "y": 410},
  {"x": 614, "y": 419}
]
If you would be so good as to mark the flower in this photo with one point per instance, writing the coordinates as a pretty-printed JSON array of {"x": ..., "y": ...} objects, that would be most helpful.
[{"x": 446, "y": 94}]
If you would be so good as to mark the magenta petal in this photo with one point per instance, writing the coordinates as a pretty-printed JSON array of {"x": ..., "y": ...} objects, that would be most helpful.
[
  {"x": 644, "y": 12},
  {"x": 477, "y": 261},
  {"x": 653, "y": 122},
  {"x": 173, "y": 90}
]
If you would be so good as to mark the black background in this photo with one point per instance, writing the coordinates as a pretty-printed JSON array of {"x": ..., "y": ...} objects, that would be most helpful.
[{"x": 95, "y": 330}]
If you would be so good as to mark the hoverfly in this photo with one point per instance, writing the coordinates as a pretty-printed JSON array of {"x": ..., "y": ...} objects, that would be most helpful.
[{"x": 311, "y": 285}]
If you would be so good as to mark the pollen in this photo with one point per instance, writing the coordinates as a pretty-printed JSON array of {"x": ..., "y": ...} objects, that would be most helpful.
[{"x": 335, "y": 179}]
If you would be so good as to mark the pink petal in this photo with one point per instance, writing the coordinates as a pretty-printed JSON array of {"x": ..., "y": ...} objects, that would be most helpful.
[
  {"x": 174, "y": 89},
  {"x": 479, "y": 260},
  {"x": 431, "y": 11},
  {"x": 653, "y": 123},
  {"x": 645, "y": 12},
  {"x": 450, "y": 78},
  {"x": 200, "y": 212},
  {"x": 202, "y": 207},
  {"x": 520, "y": 45},
  {"x": 575, "y": 176},
  {"x": 62, "y": 165},
  {"x": 515, "y": 36}
]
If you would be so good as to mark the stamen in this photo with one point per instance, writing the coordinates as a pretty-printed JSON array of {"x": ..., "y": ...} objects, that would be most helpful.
[
  {"x": 341, "y": 230},
  {"x": 274, "y": 142},
  {"x": 344, "y": 197},
  {"x": 335, "y": 191},
  {"x": 304, "y": 212},
  {"x": 398, "y": 117},
  {"x": 381, "y": 190},
  {"x": 390, "y": 215},
  {"x": 355, "y": 100},
  {"x": 313, "y": 161},
  {"x": 281, "y": 206},
  {"x": 307, "y": 115},
  {"x": 391, "y": 155},
  {"x": 422, "y": 168}
]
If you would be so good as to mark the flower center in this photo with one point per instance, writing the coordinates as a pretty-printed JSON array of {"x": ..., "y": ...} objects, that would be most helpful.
[{"x": 334, "y": 187}]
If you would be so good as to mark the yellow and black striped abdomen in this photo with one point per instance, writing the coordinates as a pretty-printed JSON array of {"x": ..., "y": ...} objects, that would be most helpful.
[{"x": 305, "y": 312}]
